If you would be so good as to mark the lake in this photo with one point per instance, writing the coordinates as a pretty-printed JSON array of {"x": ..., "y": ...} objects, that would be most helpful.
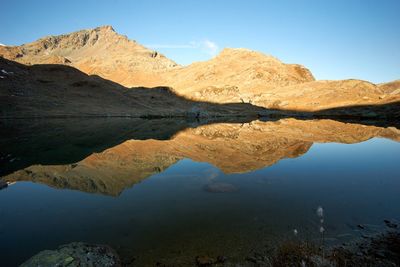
[{"x": 170, "y": 190}]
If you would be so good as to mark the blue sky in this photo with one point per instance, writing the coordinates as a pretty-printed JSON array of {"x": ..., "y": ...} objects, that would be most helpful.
[{"x": 335, "y": 39}]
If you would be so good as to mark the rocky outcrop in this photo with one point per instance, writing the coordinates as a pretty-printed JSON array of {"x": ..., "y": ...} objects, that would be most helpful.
[{"x": 233, "y": 148}]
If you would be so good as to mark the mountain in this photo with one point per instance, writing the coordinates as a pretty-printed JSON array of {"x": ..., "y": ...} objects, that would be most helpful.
[
  {"x": 233, "y": 76},
  {"x": 100, "y": 51},
  {"x": 245, "y": 147}
]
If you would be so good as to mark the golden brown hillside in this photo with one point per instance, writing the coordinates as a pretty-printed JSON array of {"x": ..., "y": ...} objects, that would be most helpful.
[
  {"x": 319, "y": 95},
  {"x": 235, "y": 75}
]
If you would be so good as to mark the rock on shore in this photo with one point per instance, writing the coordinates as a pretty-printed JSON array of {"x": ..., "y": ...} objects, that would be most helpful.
[{"x": 75, "y": 254}]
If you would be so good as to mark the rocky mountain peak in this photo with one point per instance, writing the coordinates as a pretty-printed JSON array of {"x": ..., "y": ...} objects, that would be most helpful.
[
  {"x": 100, "y": 51},
  {"x": 105, "y": 28}
]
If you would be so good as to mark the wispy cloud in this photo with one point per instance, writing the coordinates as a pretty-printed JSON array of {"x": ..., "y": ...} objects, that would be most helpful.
[
  {"x": 206, "y": 46},
  {"x": 210, "y": 47}
]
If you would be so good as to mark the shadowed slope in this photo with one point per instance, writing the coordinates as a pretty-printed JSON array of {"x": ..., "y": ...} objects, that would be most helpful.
[{"x": 62, "y": 91}]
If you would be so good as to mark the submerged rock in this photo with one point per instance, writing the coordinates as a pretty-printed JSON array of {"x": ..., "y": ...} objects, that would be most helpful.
[
  {"x": 3, "y": 184},
  {"x": 75, "y": 254},
  {"x": 361, "y": 226},
  {"x": 220, "y": 188}
]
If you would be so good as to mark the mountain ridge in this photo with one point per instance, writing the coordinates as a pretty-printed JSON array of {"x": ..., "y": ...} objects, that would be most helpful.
[{"x": 236, "y": 75}]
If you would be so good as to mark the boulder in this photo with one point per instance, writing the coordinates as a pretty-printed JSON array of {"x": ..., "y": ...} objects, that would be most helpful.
[{"x": 75, "y": 254}]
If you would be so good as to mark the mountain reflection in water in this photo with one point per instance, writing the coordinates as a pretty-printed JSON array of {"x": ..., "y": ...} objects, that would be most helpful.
[{"x": 106, "y": 156}]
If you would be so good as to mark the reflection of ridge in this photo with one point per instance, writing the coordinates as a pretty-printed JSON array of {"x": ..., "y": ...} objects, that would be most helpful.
[
  {"x": 233, "y": 148},
  {"x": 61, "y": 141}
]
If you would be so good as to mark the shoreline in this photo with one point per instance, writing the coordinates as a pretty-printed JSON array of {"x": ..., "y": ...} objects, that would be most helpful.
[{"x": 379, "y": 249}]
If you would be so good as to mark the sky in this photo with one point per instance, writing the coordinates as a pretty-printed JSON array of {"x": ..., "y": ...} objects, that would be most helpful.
[{"x": 338, "y": 39}]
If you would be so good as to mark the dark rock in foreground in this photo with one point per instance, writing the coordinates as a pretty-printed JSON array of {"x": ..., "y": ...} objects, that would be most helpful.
[{"x": 75, "y": 254}]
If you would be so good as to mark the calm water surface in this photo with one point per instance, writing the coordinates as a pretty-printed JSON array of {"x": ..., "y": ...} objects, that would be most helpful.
[{"x": 172, "y": 207}]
